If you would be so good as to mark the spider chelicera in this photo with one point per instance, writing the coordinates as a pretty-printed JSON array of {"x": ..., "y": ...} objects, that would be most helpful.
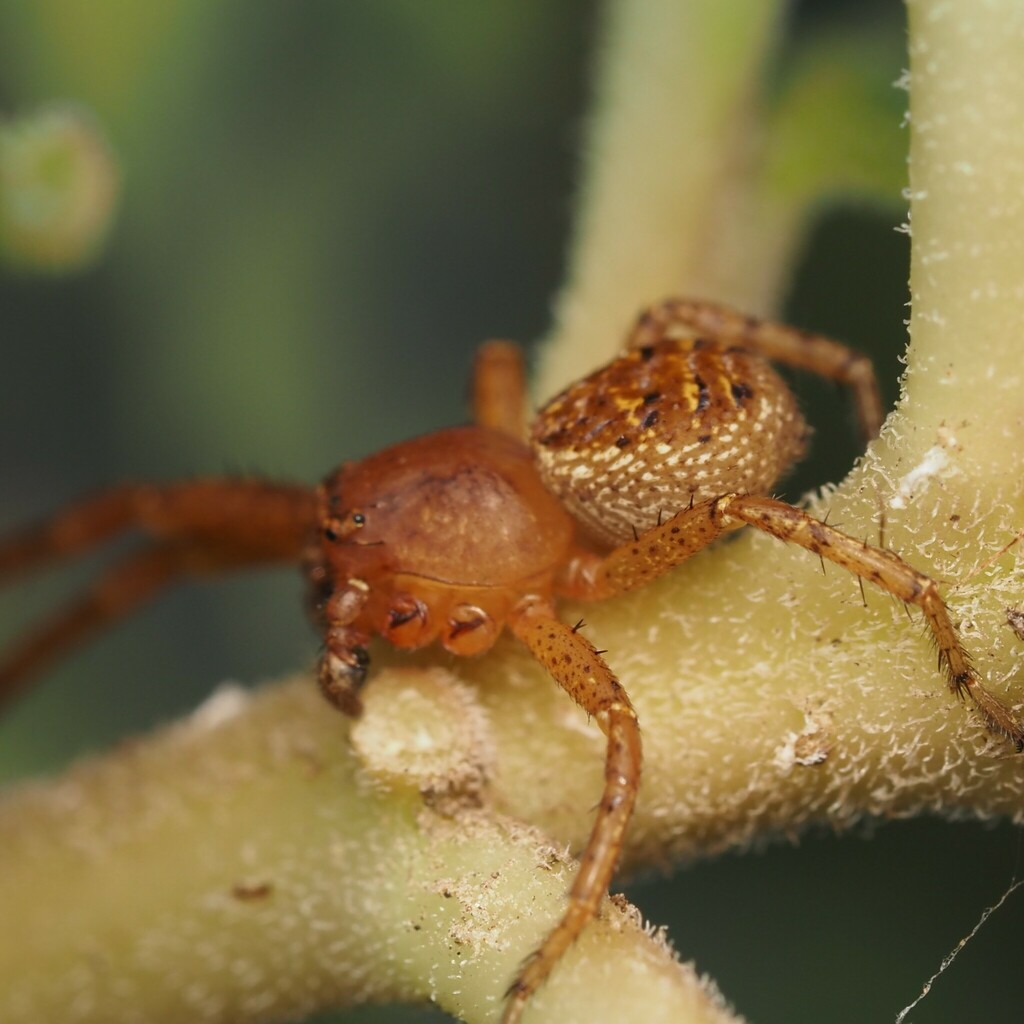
[{"x": 454, "y": 536}]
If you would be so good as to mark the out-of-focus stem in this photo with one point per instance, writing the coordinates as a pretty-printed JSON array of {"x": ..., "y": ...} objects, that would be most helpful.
[{"x": 677, "y": 93}]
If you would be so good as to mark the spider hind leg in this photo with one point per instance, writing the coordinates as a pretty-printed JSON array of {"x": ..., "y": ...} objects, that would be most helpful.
[
  {"x": 892, "y": 574},
  {"x": 661, "y": 548},
  {"x": 778, "y": 342}
]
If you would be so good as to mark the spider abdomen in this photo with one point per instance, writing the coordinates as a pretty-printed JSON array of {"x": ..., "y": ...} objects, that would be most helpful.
[{"x": 663, "y": 425}]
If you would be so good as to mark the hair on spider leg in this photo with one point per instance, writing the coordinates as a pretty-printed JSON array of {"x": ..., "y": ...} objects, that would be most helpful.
[
  {"x": 827, "y": 516},
  {"x": 909, "y": 614},
  {"x": 579, "y": 625}
]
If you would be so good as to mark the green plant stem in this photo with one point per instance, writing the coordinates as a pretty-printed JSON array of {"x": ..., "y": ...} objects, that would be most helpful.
[
  {"x": 245, "y": 865},
  {"x": 677, "y": 96}
]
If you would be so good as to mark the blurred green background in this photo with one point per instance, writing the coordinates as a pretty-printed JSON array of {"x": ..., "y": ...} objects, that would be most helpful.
[{"x": 326, "y": 205}]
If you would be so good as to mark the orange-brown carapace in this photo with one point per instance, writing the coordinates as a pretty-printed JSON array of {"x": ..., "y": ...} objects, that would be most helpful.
[{"x": 437, "y": 538}]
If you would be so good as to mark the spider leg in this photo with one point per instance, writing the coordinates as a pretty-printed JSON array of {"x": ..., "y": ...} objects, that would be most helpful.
[
  {"x": 589, "y": 576},
  {"x": 582, "y": 673},
  {"x": 71, "y": 531},
  {"x": 888, "y": 571},
  {"x": 499, "y": 388},
  {"x": 122, "y": 589},
  {"x": 344, "y": 661},
  {"x": 779, "y": 342},
  {"x": 262, "y": 520},
  {"x": 199, "y": 527},
  {"x": 659, "y": 549}
]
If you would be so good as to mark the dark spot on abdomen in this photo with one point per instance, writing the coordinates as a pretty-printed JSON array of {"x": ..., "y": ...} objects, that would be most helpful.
[
  {"x": 703, "y": 395},
  {"x": 741, "y": 392}
]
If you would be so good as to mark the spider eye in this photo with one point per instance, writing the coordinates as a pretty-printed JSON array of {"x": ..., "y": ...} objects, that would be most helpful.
[{"x": 340, "y": 528}]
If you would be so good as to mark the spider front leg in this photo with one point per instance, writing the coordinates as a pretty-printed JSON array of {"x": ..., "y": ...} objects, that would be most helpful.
[
  {"x": 655, "y": 552},
  {"x": 584, "y": 675},
  {"x": 344, "y": 661},
  {"x": 499, "y": 388},
  {"x": 196, "y": 528},
  {"x": 776, "y": 341},
  {"x": 121, "y": 589}
]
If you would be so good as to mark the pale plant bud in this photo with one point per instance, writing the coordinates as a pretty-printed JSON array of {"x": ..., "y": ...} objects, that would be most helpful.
[{"x": 58, "y": 189}]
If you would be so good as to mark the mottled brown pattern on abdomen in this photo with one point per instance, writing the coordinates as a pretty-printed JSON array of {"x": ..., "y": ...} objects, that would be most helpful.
[{"x": 666, "y": 424}]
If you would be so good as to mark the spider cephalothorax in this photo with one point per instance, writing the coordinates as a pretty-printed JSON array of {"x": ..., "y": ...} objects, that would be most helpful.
[{"x": 438, "y": 538}]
